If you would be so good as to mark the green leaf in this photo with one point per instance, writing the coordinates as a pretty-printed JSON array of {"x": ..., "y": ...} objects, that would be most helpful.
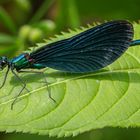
[{"x": 107, "y": 98}]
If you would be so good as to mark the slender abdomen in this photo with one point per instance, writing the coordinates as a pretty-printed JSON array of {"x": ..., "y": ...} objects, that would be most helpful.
[{"x": 135, "y": 42}]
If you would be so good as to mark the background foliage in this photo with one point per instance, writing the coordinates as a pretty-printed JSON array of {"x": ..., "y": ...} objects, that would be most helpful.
[{"x": 26, "y": 22}]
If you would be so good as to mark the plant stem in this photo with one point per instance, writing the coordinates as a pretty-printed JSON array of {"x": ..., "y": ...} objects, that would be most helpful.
[
  {"x": 41, "y": 11},
  {"x": 7, "y": 21},
  {"x": 74, "y": 19}
]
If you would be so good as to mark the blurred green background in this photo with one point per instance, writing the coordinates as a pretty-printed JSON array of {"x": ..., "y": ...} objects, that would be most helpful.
[{"x": 23, "y": 23}]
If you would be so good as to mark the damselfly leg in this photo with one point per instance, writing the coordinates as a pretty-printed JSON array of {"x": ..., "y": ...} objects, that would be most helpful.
[
  {"x": 23, "y": 87},
  {"x": 46, "y": 82}
]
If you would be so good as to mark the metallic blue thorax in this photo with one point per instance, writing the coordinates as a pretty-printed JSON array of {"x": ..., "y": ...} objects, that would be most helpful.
[
  {"x": 24, "y": 61},
  {"x": 18, "y": 58},
  {"x": 21, "y": 61}
]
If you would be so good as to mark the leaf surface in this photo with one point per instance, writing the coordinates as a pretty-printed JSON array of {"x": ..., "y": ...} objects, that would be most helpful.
[{"x": 106, "y": 98}]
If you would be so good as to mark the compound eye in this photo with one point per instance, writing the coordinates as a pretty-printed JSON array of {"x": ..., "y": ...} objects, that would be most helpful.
[{"x": 3, "y": 63}]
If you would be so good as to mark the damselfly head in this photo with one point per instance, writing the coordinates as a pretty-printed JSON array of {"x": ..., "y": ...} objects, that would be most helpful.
[{"x": 3, "y": 62}]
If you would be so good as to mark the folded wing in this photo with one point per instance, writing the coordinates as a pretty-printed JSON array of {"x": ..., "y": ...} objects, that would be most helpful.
[{"x": 88, "y": 51}]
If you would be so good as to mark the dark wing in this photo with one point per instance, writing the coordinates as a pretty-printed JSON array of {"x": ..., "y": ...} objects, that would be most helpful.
[{"x": 88, "y": 51}]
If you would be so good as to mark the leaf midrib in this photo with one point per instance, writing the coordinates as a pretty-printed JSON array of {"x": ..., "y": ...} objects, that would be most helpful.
[{"x": 74, "y": 78}]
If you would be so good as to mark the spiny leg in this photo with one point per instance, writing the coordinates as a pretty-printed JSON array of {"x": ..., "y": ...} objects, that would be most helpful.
[
  {"x": 19, "y": 79},
  {"x": 17, "y": 96},
  {"x": 49, "y": 90},
  {"x": 23, "y": 87},
  {"x": 5, "y": 77},
  {"x": 32, "y": 71},
  {"x": 42, "y": 72}
]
